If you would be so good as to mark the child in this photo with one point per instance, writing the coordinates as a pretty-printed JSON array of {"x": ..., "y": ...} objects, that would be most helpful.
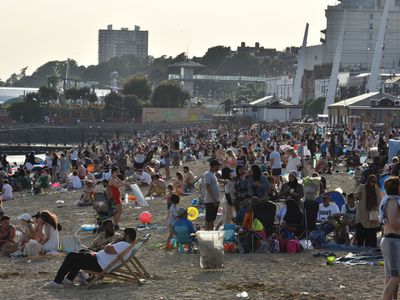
[
  {"x": 173, "y": 213},
  {"x": 170, "y": 192},
  {"x": 349, "y": 213},
  {"x": 88, "y": 190}
]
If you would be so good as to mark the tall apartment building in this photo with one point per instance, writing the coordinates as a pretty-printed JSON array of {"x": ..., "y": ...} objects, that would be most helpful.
[
  {"x": 361, "y": 33},
  {"x": 114, "y": 43}
]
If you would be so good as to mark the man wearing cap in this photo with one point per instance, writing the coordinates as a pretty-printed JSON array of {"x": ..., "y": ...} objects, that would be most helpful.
[
  {"x": 211, "y": 199},
  {"x": 92, "y": 261}
]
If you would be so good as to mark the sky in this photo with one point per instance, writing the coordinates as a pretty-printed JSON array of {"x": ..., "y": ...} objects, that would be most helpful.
[{"x": 36, "y": 31}]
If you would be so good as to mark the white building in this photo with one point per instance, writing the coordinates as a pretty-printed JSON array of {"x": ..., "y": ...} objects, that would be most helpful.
[
  {"x": 280, "y": 87},
  {"x": 272, "y": 109},
  {"x": 321, "y": 88},
  {"x": 361, "y": 33}
]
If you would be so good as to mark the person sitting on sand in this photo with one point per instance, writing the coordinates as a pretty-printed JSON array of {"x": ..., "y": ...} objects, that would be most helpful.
[
  {"x": 182, "y": 221},
  {"x": 7, "y": 232},
  {"x": 88, "y": 190},
  {"x": 158, "y": 186},
  {"x": 7, "y": 193},
  {"x": 108, "y": 236},
  {"x": 48, "y": 228},
  {"x": 81, "y": 171},
  {"x": 323, "y": 165},
  {"x": 44, "y": 179},
  {"x": 178, "y": 184},
  {"x": 74, "y": 181},
  {"x": 143, "y": 178},
  {"x": 28, "y": 233},
  {"x": 92, "y": 261},
  {"x": 188, "y": 179}
]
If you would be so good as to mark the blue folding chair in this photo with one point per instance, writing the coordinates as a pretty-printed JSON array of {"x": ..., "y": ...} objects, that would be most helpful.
[{"x": 335, "y": 197}]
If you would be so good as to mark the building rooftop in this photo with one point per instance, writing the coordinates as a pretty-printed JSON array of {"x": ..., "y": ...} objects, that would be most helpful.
[
  {"x": 364, "y": 100},
  {"x": 187, "y": 64}
]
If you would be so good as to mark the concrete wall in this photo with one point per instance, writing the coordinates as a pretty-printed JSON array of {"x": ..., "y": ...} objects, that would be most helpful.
[{"x": 154, "y": 114}]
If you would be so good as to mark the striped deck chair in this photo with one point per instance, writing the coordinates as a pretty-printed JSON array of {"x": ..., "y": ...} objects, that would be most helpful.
[{"x": 120, "y": 269}]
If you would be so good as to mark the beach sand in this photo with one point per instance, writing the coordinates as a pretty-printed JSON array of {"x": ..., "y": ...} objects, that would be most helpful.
[{"x": 178, "y": 276}]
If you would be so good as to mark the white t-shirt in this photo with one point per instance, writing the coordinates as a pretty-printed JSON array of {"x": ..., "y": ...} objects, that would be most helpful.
[
  {"x": 7, "y": 192},
  {"x": 104, "y": 259},
  {"x": 76, "y": 182},
  {"x": 106, "y": 175},
  {"x": 145, "y": 177},
  {"x": 74, "y": 155},
  {"x": 325, "y": 212},
  {"x": 276, "y": 157}
]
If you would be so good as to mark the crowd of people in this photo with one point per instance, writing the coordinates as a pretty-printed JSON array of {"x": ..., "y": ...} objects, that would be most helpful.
[{"x": 264, "y": 174}]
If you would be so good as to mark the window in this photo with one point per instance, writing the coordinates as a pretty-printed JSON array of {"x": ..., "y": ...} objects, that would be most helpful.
[
  {"x": 371, "y": 16},
  {"x": 397, "y": 3},
  {"x": 371, "y": 36},
  {"x": 371, "y": 26}
]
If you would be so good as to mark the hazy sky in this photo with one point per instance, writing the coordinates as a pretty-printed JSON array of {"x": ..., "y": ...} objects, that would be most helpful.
[{"x": 36, "y": 31}]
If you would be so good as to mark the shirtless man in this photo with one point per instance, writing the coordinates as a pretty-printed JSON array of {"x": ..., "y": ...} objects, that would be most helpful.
[{"x": 389, "y": 214}]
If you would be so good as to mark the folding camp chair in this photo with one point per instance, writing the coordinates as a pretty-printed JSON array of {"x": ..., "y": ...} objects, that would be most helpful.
[{"x": 121, "y": 269}]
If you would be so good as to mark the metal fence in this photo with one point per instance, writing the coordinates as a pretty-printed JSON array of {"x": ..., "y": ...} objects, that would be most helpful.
[{"x": 67, "y": 135}]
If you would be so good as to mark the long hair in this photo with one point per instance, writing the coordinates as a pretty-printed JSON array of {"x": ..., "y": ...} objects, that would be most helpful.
[
  {"x": 49, "y": 218},
  {"x": 256, "y": 172}
]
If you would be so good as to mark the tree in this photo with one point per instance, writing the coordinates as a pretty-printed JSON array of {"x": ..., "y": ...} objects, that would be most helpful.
[
  {"x": 46, "y": 95},
  {"x": 12, "y": 80},
  {"x": 26, "y": 111},
  {"x": 72, "y": 94},
  {"x": 169, "y": 94},
  {"x": 92, "y": 98},
  {"x": 240, "y": 64},
  {"x": 215, "y": 56},
  {"x": 133, "y": 106},
  {"x": 137, "y": 85},
  {"x": 2, "y": 83},
  {"x": 113, "y": 102},
  {"x": 83, "y": 93},
  {"x": 31, "y": 98}
]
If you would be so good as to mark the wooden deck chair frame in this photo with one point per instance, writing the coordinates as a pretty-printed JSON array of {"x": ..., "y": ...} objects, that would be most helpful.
[{"x": 129, "y": 270}]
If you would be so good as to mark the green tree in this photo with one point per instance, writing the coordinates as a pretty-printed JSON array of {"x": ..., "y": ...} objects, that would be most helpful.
[
  {"x": 92, "y": 98},
  {"x": 215, "y": 56},
  {"x": 240, "y": 64},
  {"x": 137, "y": 85},
  {"x": 83, "y": 93},
  {"x": 113, "y": 102},
  {"x": 2, "y": 83},
  {"x": 26, "y": 111},
  {"x": 169, "y": 94},
  {"x": 133, "y": 106},
  {"x": 72, "y": 94},
  {"x": 46, "y": 95}
]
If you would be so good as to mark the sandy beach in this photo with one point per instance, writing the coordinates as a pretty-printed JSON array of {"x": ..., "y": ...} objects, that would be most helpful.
[{"x": 178, "y": 276}]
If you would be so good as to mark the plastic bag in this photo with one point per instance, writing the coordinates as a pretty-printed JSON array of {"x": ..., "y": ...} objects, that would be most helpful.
[{"x": 139, "y": 195}]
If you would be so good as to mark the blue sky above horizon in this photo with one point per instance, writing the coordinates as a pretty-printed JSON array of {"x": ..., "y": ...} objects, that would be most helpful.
[{"x": 34, "y": 32}]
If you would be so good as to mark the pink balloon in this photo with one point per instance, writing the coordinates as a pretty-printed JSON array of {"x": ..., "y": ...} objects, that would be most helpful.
[{"x": 145, "y": 217}]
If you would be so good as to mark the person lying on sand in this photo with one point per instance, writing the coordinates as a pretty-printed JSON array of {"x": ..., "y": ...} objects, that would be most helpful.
[{"x": 92, "y": 261}]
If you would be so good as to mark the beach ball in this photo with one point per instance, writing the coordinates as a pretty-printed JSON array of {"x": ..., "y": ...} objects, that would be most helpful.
[
  {"x": 145, "y": 217},
  {"x": 193, "y": 213}
]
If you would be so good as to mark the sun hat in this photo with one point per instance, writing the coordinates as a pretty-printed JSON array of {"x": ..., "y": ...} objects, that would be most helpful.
[
  {"x": 181, "y": 212},
  {"x": 25, "y": 217}
]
